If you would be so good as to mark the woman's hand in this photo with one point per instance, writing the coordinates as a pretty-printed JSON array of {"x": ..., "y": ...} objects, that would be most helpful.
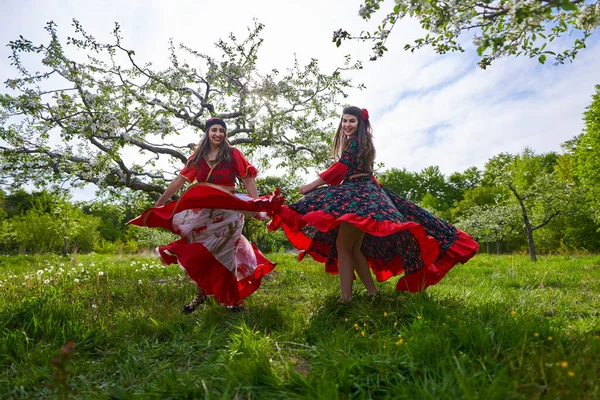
[{"x": 304, "y": 189}]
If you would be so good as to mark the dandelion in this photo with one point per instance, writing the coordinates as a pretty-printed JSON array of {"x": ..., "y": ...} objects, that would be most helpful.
[
  {"x": 293, "y": 362},
  {"x": 395, "y": 324},
  {"x": 550, "y": 338},
  {"x": 39, "y": 272},
  {"x": 362, "y": 333},
  {"x": 94, "y": 305},
  {"x": 399, "y": 342},
  {"x": 564, "y": 364},
  {"x": 513, "y": 314},
  {"x": 346, "y": 319},
  {"x": 384, "y": 346},
  {"x": 139, "y": 281},
  {"x": 62, "y": 264},
  {"x": 76, "y": 280},
  {"x": 385, "y": 314},
  {"x": 93, "y": 264},
  {"x": 536, "y": 334},
  {"x": 356, "y": 326},
  {"x": 79, "y": 265},
  {"x": 46, "y": 281},
  {"x": 100, "y": 273},
  {"x": 571, "y": 373},
  {"x": 419, "y": 317}
]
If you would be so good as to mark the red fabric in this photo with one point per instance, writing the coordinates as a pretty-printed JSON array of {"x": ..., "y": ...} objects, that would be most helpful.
[
  {"x": 461, "y": 251},
  {"x": 223, "y": 173},
  {"x": 212, "y": 276},
  {"x": 205, "y": 195},
  {"x": 432, "y": 272},
  {"x": 242, "y": 167},
  {"x": 189, "y": 173},
  {"x": 334, "y": 175}
]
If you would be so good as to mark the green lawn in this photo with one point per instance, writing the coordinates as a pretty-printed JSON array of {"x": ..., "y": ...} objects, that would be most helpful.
[{"x": 495, "y": 328}]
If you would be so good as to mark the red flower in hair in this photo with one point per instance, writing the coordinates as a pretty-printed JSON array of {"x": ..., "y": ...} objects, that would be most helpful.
[{"x": 365, "y": 114}]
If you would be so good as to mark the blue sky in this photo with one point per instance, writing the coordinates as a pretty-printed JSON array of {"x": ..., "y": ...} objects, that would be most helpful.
[{"x": 426, "y": 109}]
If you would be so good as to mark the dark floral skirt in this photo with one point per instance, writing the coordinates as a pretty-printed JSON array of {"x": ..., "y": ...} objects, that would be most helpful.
[{"x": 401, "y": 237}]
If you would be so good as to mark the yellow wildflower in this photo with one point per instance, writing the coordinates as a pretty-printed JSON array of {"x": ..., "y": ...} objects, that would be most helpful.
[
  {"x": 362, "y": 333},
  {"x": 564, "y": 364},
  {"x": 571, "y": 373},
  {"x": 550, "y": 338},
  {"x": 536, "y": 334}
]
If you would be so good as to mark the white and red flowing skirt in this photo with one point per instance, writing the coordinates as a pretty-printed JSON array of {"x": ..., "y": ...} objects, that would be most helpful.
[{"x": 212, "y": 249}]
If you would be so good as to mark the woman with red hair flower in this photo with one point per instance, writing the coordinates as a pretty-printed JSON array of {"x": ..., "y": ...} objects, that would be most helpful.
[{"x": 354, "y": 224}]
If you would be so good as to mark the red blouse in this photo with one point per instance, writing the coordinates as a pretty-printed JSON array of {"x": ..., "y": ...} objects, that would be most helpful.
[{"x": 223, "y": 173}]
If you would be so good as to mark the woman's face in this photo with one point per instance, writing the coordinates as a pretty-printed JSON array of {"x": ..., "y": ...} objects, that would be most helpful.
[
  {"x": 216, "y": 135},
  {"x": 349, "y": 124}
]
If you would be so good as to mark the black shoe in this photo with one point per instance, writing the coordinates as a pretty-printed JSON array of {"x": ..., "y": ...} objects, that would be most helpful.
[
  {"x": 235, "y": 308},
  {"x": 192, "y": 305}
]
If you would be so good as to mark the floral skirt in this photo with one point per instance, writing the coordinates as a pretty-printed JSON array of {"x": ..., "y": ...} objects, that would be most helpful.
[
  {"x": 401, "y": 237},
  {"x": 212, "y": 249}
]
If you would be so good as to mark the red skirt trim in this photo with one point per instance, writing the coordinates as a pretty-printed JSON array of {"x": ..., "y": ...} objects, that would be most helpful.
[
  {"x": 432, "y": 272},
  {"x": 212, "y": 276},
  {"x": 205, "y": 195}
]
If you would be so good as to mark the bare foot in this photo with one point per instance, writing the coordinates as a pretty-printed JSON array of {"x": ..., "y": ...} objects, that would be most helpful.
[{"x": 341, "y": 300}]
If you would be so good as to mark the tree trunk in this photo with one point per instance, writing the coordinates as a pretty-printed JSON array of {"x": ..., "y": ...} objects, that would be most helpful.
[
  {"x": 65, "y": 246},
  {"x": 532, "y": 255},
  {"x": 487, "y": 247},
  {"x": 498, "y": 247}
]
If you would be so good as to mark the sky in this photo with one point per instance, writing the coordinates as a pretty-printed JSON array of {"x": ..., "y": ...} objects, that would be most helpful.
[{"x": 426, "y": 109}]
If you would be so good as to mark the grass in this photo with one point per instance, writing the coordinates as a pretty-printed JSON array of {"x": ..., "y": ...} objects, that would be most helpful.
[{"x": 495, "y": 328}]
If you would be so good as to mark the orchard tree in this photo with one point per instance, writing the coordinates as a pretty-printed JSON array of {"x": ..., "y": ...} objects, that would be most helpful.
[
  {"x": 586, "y": 148},
  {"x": 115, "y": 122},
  {"x": 531, "y": 179},
  {"x": 500, "y": 28},
  {"x": 491, "y": 223}
]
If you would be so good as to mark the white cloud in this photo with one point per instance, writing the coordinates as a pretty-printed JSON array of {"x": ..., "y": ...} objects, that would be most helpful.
[{"x": 426, "y": 109}]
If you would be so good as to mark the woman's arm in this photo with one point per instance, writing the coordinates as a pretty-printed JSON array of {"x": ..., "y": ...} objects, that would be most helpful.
[
  {"x": 250, "y": 186},
  {"x": 309, "y": 187},
  {"x": 173, "y": 187}
]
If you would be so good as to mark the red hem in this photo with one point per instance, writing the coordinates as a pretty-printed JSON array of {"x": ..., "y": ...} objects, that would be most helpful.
[
  {"x": 212, "y": 276},
  {"x": 461, "y": 251},
  {"x": 431, "y": 273},
  {"x": 205, "y": 195}
]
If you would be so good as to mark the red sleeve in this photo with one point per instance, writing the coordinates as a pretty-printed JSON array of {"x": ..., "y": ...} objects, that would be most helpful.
[
  {"x": 243, "y": 168},
  {"x": 189, "y": 172},
  {"x": 334, "y": 174}
]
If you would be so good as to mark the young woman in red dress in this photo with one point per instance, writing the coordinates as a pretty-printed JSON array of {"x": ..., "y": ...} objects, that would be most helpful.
[
  {"x": 354, "y": 224},
  {"x": 209, "y": 217}
]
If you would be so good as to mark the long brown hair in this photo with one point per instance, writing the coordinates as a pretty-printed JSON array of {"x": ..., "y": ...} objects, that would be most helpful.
[
  {"x": 364, "y": 133},
  {"x": 203, "y": 149}
]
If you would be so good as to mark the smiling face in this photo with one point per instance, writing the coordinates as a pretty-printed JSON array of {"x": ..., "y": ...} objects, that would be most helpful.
[
  {"x": 349, "y": 124},
  {"x": 216, "y": 135}
]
